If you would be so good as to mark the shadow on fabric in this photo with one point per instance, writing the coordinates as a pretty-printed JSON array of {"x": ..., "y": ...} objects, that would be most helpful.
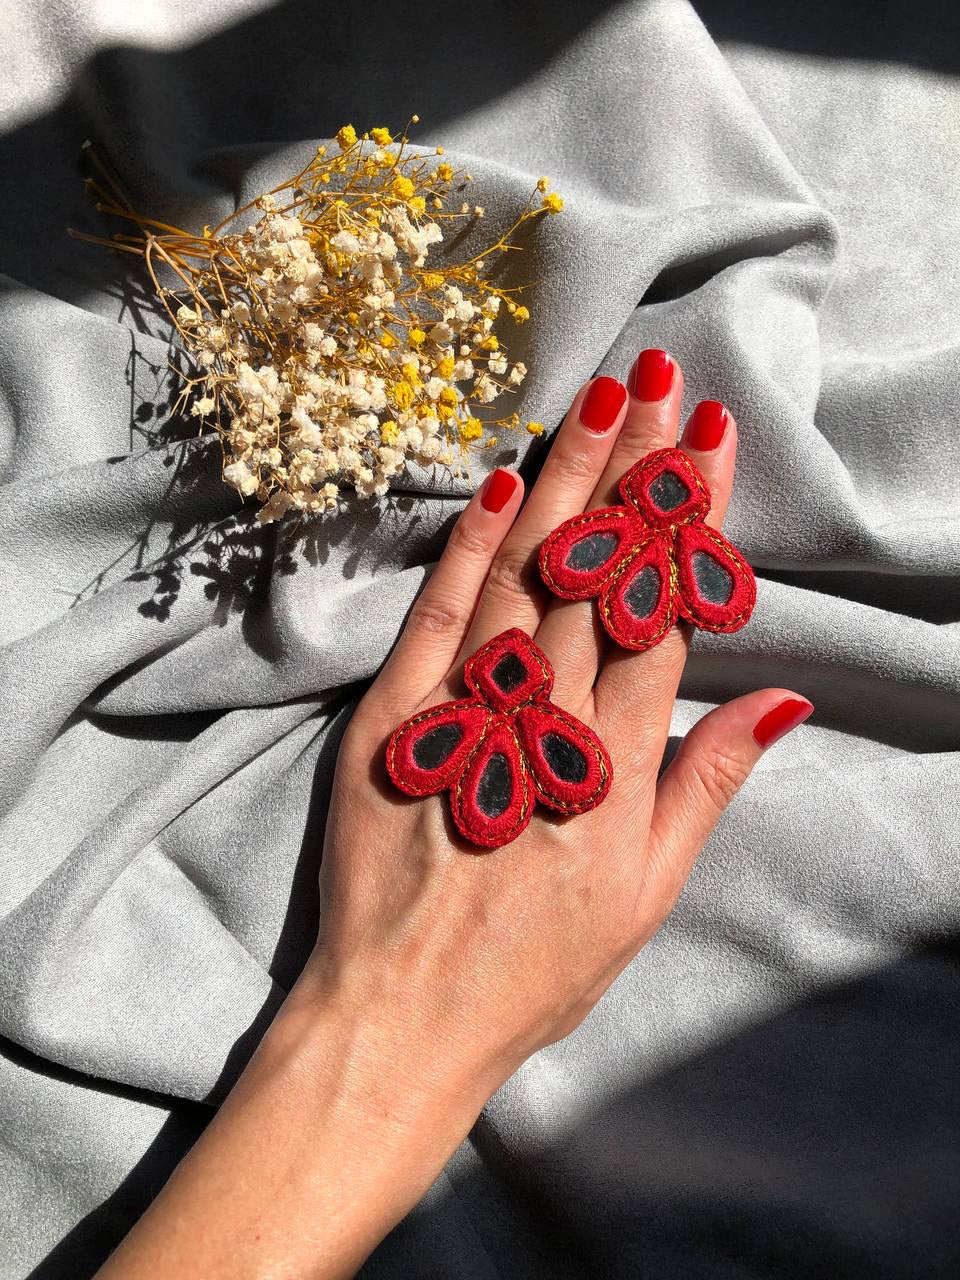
[
  {"x": 86, "y": 1247},
  {"x": 759, "y": 1156},
  {"x": 265, "y": 81},
  {"x": 822, "y": 1142},
  {"x": 924, "y": 34}
]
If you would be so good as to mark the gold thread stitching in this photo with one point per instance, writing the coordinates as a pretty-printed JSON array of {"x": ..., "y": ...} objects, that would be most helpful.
[
  {"x": 672, "y": 594},
  {"x": 461, "y": 774},
  {"x": 392, "y": 746},
  {"x": 591, "y": 802},
  {"x": 588, "y": 517},
  {"x": 739, "y": 567}
]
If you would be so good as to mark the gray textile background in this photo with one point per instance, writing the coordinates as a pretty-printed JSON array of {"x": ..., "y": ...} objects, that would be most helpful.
[{"x": 772, "y": 1089}]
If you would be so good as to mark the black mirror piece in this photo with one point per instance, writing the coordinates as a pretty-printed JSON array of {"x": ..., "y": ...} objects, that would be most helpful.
[
  {"x": 436, "y": 745},
  {"x": 667, "y": 491}
]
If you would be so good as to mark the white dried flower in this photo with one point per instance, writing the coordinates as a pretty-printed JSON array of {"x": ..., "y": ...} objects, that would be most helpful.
[
  {"x": 204, "y": 405},
  {"x": 241, "y": 477}
]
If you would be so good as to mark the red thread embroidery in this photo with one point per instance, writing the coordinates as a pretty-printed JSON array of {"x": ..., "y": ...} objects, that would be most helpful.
[
  {"x": 652, "y": 560},
  {"x": 503, "y": 749}
]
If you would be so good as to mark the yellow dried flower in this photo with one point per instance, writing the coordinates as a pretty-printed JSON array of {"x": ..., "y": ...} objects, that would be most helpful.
[
  {"x": 305, "y": 325},
  {"x": 552, "y": 202},
  {"x": 542, "y": 184}
]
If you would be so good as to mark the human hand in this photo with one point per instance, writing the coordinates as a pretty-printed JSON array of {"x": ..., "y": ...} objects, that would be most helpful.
[
  {"x": 482, "y": 958},
  {"x": 438, "y": 969}
]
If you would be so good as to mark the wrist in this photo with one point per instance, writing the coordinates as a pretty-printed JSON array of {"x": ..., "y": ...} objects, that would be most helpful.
[{"x": 361, "y": 1048}]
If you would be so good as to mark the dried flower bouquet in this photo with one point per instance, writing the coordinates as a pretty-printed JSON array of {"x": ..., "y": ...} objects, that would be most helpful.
[{"x": 325, "y": 350}]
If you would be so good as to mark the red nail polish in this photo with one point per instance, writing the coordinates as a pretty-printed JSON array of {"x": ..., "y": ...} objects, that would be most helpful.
[
  {"x": 602, "y": 403},
  {"x": 786, "y": 715},
  {"x": 498, "y": 488},
  {"x": 706, "y": 426},
  {"x": 652, "y": 375}
]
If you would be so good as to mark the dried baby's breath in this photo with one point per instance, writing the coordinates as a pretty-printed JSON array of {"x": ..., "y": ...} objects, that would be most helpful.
[{"x": 326, "y": 351}]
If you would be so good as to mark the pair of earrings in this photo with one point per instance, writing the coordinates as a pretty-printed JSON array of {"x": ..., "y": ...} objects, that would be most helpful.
[{"x": 650, "y": 562}]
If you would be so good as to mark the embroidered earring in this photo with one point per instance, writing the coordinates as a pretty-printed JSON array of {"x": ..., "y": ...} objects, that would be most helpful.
[
  {"x": 652, "y": 560},
  {"x": 503, "y": 749}
]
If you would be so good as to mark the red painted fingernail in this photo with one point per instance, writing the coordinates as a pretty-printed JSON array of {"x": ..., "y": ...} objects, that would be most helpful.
[
  {"x": 602, "y": 403},
  {"x": 706, "y": 426},
  {"x": 498, "y": 488},
  {"x": 652, "y": 375},
  {"x": 786, "y": 715}
]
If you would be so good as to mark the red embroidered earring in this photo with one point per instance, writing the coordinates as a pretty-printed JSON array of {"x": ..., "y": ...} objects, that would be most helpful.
[
  {"x": 652, "y": 560},
  {"x": 503, "y": 749}
]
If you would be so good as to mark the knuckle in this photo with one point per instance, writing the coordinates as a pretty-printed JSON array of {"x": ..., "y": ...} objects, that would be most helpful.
[
  {"x": 573, "y": 464},
  {"x": 467, "y": 540},
  {"x": 433, "y": 617},
  {"x": 511, "y": 575},
  {"x": 719, "y": 775}
]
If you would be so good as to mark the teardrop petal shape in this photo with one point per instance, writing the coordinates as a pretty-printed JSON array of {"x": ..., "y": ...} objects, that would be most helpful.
[
  {"x": 667, "y": 489},
  {"x": 492, "y": 797},
  {"x": 716, "y": 586},
  {"x": 425, "y": 752},
  {"x": 638, "y": 606},
  {"x": 582, "y": 553},
  {"x": 508, "y": 670},
  {"x": 570, "y": 767}
]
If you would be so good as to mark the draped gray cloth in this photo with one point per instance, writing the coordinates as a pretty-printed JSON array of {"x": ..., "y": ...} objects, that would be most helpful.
[{"x": 772, "y": 1088}]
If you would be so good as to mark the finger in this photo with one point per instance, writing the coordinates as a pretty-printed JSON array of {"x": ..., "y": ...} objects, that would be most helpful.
[
  {"x": 655, "y": 383},
  {"x": 712, "y": 763},
  {"x": 650, "y": 679},
  {"x": 570, "y": 634},
  {"x": 442, "y": 613},
  {"x": 513, "y": 595},
  {"x": 710, "y": 440}
]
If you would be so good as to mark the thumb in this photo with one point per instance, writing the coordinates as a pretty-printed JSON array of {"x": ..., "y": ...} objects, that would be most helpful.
[{"x": 712, "y": 763}]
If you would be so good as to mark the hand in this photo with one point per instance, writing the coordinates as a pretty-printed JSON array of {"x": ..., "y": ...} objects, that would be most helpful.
[
  {"x": 485, "y": 957},
  {"x": 439, "y": 968}
]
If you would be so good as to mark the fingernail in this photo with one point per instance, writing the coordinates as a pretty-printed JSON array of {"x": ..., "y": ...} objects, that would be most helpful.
[
  {"x": 786, "y": 715},
  {"x": 498, "y": 488},
  {"x": 652, "y": 375},
  {"x": 706, "y": 426},
  {"x": 602, "y": 404}
]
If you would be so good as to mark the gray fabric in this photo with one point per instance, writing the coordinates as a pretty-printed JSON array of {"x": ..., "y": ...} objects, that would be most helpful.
[{"x": 772, "y": 1088}]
